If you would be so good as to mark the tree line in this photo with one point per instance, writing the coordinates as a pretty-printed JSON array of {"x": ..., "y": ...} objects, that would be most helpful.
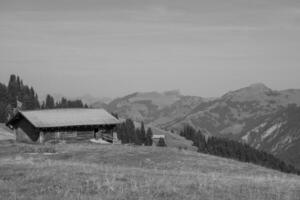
[
  {"x": 235, "y": 150},
  {"x": 129, "y": 134},
  {"x": 17, "y": 94},
  {"x": 50, "y": 103}
]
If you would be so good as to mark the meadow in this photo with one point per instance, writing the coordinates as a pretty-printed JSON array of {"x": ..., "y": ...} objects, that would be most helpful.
[{"x": 90, "y": 171}]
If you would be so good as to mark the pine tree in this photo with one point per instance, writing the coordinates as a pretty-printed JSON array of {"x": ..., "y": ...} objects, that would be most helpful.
[
  {"x": 161, "y": 143},
  {"x": 3, "y": 93},
  {"x": 27, "y": 102},
  {"x": 127, "y": 133},
  {"x": 137, "y": 137},
  {"x": 49, "y": 102},
  {"x": 235, "y": 150},
  {"x": 149, "y": 137},
  {"x": 13, "y": 90},
  {"x": 130, "y": 131},
  {"x": 3, "y": 102},
  {"x": 143, "y": 134},
  {"x": 3, "y": 112},
  {"x": 43, "y": 106}
]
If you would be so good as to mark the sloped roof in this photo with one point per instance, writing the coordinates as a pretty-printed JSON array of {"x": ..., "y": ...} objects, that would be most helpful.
[
  {"x": 158, "y": 136},
  {"x": 69, "y": 117}
]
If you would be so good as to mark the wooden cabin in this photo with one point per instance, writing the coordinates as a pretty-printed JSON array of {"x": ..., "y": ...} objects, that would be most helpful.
[{"x": 39, "y": 126}]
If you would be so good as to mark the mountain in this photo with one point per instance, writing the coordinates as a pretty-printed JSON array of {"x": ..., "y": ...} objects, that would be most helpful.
[
  {"x": 88, "y": 99},
  {"x": 93, "y": 101},
  {"x": 278, "y": 134},
  {"x": 100, "y": 103},
  {"x": 256, "y": 115},
  {"x": 238, "y": 111},
  {"x": 154, "y": 107}
]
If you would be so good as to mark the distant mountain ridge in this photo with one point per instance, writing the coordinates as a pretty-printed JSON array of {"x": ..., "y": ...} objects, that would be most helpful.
[
  {"x": 88, "y": 99},
  {"x": 247, "y": 115}
]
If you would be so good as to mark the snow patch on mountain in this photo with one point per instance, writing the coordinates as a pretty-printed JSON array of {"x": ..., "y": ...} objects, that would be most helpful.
[
  {"x": 271, "y": 130},
  {"x": 245, "y": 138},
  {"x": 282, "y": 143}
]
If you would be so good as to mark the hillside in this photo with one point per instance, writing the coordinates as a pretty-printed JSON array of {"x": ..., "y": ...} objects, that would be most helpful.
[
  {"x": 154, "y": 107},
  {"x": 278, "y": 134},
  {"x": 5, "y": 133},
  {"x": 85, "y": 171},
  {"x": 235, "y": 115},
  {"x": 173, "y": 140}
]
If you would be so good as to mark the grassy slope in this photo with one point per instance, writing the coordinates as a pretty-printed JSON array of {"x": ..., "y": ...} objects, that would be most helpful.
[
  {"x": 172, "y": 139},
  {"x": 86, "y": 171},
  {"x": 6, "y": 133}
]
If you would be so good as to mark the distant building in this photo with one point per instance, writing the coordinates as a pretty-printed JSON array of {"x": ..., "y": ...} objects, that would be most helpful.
[
  {"x": 39, "y": 126},
  {"x": 155, "y": 138}
]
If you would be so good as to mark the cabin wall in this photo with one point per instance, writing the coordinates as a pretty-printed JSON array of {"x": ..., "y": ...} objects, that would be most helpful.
[
  {"x": 59, "y": 135},
  {"x": 26, "y": 132},
  {"x": 48, "y": 136}
]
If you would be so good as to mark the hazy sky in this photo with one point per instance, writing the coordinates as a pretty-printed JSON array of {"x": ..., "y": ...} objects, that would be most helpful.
[{"x": 115, "y": 47}]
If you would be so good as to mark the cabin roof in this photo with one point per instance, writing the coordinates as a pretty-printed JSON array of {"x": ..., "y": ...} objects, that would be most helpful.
[
  {"x": 158, "y": 136},
  {"x": 52, "y": 118}
]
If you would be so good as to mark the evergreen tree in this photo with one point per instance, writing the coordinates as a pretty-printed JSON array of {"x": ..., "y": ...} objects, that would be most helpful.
[
  {"x": 127, "y": 133},
  {"x": 43, "y": 106},
  {"x": 65, "y": 103},
  {"x": 130, "y": 131},
  {"x": 235, "y": 150},
  {"x": 3, "y": 112},
  {"x": 16, "y": 90},
  {"x": 143, "y": 134},
  {"x": 49, "y": 102},
  {"x": 161, "y": 143},
  {"x": 121, "y": 133},
  {"x": 3, "y": 93},
  {"x": 27, "y": 102},
  {"x": 13, "y": 88},
  {"x": 137, "y": 139},
  {"x": 3, "y": 103},
  {"x": 149, "y": 137}
]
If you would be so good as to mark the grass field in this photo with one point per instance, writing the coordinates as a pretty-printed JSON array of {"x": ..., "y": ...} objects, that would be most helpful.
[
  {"x": 5, "y": 133},
  {"x": 87, "y": 171}
]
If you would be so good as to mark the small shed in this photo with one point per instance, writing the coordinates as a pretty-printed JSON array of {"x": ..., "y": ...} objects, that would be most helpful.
[
  {"x": 156, "y": 138},
  {"x": 42, "y": 125}
]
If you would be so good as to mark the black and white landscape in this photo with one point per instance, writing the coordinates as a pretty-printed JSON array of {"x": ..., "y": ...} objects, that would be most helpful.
[
  {"x": 257, "y": 115},
  {"x": 160, "y": 99}
]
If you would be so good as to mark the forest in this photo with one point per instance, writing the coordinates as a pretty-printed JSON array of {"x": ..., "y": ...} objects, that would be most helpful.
[
  {"x": 235, "y": 150},
  {"x": 129, "y": 134},
  {"x": 16, "y": 94}
]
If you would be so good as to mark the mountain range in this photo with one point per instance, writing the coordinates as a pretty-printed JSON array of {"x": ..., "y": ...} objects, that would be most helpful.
[
  {"x": 266, "y": 119},
  {"x": 88, "y": 99}
]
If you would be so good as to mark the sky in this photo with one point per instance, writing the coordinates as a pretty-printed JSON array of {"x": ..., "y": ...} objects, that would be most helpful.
[{"x": 110, "y": 48}]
